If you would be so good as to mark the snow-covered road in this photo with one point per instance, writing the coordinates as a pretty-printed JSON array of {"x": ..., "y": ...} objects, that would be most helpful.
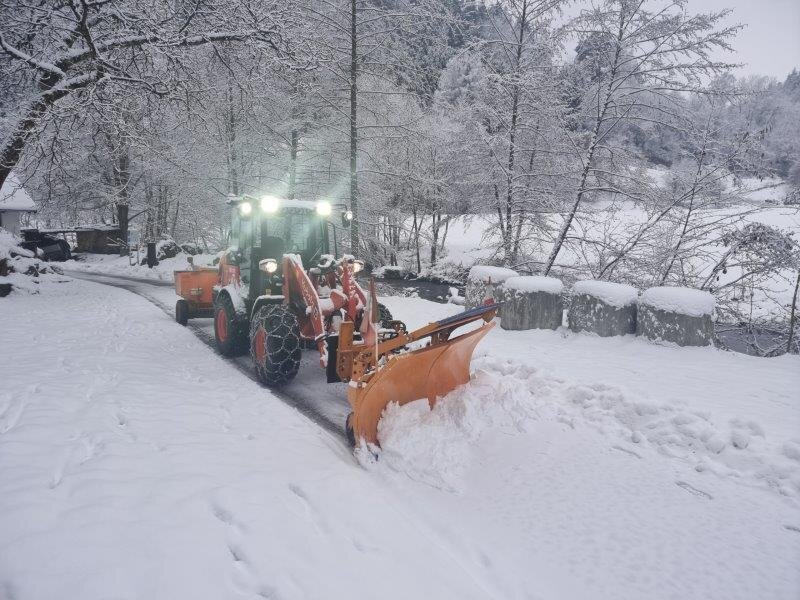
[{"x": 136, "y": 463}]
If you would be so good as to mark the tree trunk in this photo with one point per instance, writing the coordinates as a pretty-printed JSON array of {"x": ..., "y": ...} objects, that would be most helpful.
[
  {"x": 293, "y": 165},
  {"x": 792, "y": 315},
  {"x": 354, "y": 241},
  {"x": 233, "y": 176},
  {"x": 588, "y": 164},
  {"x": 507, "y": 242}
]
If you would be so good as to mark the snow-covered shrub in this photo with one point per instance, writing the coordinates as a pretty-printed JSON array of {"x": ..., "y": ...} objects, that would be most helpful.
[
  {"x": 603, "y": 308},
  {"x": 191, "y": 248},
  {"x": 531, "y": 302},
  {"x": 391, "y": 272},
  {"x": 683, "y": 316},
  {"x": 482, "y": 283}
]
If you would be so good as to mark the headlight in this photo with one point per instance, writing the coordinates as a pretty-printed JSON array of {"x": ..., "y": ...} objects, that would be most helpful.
[
  {"x": 270, "y": 204},
  {"x": 268, "y": 265},
  {"x": 323, "y": 208},
  {"x": 245, "y": 208},
  {"x": 358, "y": 265}
]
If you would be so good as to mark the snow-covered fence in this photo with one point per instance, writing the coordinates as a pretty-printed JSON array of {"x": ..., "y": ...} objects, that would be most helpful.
[
  {"x": 531, "y": 302},
  {"x": 679, "y": 315},
  {"x": 482, "y": 283},
  {"x": 603, "y": 308}
]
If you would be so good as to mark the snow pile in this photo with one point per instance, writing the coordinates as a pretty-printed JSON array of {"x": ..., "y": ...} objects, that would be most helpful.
[
  {"x": 618, "y": 295},
  {"x": 486, "y": 273},
  {"x": 437, "y": 446},
  {"x": 534, "y": 283},
  {"x": 681, "y": 300},
  {"x": 25, "y": 272},
  {"x": 9, "y": 245}
]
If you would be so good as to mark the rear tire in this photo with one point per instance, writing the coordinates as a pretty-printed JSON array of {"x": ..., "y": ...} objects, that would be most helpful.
[
  {"x": 275, "y": 345},
  {"x": 230, "y": 330},
  {"x": 182, "y": 311}
]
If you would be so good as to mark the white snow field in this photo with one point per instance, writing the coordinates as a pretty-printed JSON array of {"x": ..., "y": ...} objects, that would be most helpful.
[{"x": 136, "y": 463}]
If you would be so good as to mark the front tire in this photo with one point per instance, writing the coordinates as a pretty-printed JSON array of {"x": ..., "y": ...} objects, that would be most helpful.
[
  {"x": 275, "y": 345},
  {"x": 385, "y": 316},
  {"x": 230, "y": 330}
]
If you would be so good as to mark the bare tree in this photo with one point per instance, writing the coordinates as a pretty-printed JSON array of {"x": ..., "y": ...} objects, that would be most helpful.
[{"x": 633, "y": 58}]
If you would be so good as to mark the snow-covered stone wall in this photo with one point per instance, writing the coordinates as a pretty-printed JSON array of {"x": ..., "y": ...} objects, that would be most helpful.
[
  {"x": 483, "y": 282},
  {"x": 603, "y": 308},
  {"x": 531, "y": 302},
  {"x": 683, "y": 316}
]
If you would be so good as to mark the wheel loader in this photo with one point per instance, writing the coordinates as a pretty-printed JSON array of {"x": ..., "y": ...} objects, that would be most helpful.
[{"x": 279, "y": 288}]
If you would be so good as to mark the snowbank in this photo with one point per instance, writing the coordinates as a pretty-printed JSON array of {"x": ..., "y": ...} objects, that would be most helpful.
[
  {"x": 534, "y": 283},
  {"x": 486, "y": 274},
  {"x": 584, "y": 490},
  {"x": 436, "y": 446},
  {"x": 121, "y": 265},
  {"x": 681, "y": 300},
  {"x": 9, "y": 244},
  {"x": 618, "y": 295},
  {"x": 26, "y": 273}
]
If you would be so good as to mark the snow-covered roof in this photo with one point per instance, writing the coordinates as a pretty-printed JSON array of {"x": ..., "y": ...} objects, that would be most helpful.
[{"x": 14, "y": 197}]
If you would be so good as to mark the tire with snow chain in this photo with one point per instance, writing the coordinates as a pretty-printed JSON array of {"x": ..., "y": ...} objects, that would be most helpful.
[
  {"x": 230, "y": 329},
  {"x": 275, "y": 345},
  {"x": 385, "y": 315}
]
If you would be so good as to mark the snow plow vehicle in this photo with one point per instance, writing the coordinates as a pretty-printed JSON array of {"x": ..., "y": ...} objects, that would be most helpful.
[{"x": 279, "y": 289}]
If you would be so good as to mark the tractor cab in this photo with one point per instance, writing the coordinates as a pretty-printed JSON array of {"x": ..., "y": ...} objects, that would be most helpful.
[{"x": 263, "y": 232}]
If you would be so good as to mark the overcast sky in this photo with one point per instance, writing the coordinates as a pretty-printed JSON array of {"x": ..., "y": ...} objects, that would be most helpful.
[{"x": 770, "y": 42}]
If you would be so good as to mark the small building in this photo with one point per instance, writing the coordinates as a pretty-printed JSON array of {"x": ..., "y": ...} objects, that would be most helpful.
[
  {"x": 99, "y": 239},
  {"x": 14, "y": 202}
]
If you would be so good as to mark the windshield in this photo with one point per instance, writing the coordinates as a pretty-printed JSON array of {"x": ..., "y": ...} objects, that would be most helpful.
[{"x": 296, "y": 227}]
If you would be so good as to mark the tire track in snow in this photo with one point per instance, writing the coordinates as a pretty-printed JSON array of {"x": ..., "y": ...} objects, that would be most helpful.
[{"x": 297, "y": 401}]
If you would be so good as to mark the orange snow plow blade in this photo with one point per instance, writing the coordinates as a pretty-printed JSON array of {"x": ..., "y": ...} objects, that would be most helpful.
[{"x": 387, "y": 372}]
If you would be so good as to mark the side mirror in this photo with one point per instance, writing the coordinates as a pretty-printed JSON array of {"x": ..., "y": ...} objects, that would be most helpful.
[{"x": 347, "y": 218}]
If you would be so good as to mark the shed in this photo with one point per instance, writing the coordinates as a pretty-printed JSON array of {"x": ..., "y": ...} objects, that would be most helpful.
[
  {"x": 100, "y": 239},
  {"x": 14, "y": 202}
]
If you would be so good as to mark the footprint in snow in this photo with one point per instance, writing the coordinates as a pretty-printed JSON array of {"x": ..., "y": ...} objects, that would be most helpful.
[
  {"x": 626, "y": 451},
  {"x": 693, "y": 490}
]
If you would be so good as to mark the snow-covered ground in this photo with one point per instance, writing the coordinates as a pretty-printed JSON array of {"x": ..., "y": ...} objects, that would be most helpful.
[{"x": 136, "y": 463}]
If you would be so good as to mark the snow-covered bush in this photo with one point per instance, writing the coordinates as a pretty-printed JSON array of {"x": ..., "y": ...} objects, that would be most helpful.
[
  {"x": 391, "y": 272},
  {"x": 531, "y": 302},
  {"x": 483, "y": 281},
  {"x": 683, "y": 316},
  {"x": 603, "y": 308}
]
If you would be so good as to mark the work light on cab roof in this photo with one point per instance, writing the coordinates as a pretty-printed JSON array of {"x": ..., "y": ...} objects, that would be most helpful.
[{"x": 270, "y": 204}]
